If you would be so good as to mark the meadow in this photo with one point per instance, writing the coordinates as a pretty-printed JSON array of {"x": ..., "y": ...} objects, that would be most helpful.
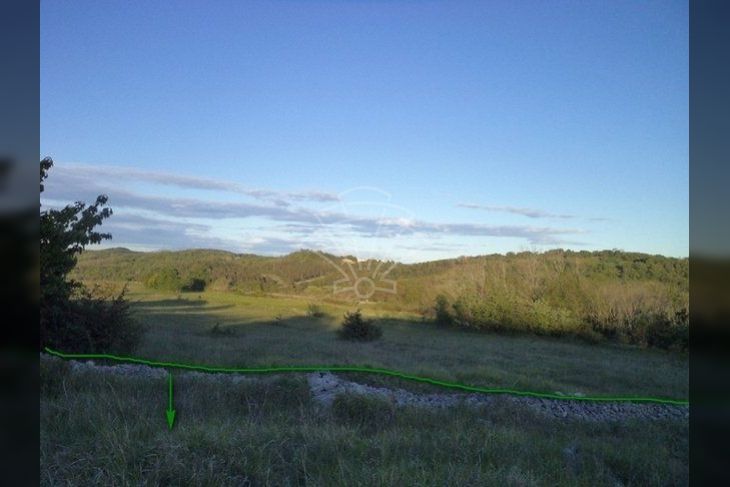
[
  {"x": 108, "y": 429},
  {"x": 229, "y": 329}
]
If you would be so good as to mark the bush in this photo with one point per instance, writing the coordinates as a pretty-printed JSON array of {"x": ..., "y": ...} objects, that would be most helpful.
[
  {"x": 646, "y": 328},
  {"x": 194, "y": 285},
  {"x": 164, "y": 280},
  {"x": 442, "y": 310},
  {"x": 489, "y": 314},
  {"x": 315, "y": 311},
  {"x": 355, "y": 327},
  {"x": 95, "y": 321},
  {"x": 669, "y": 333}
]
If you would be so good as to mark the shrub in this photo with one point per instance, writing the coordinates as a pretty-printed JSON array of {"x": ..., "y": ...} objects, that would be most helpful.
[
  {"x": 647, "y": 328},
  {"x": 669, "y": 332},
  {"x": 544, "y": 319},
  {"x": 315, "y": 311},
  {"x": 95, "y": 321},
  {"x": 442, "y": 310},
  {"x": 167, "y": 279},
  {"x": 355, "y": 327},
  {"x": 194, "y": 284},
  {"x": 489, "y": 314}
]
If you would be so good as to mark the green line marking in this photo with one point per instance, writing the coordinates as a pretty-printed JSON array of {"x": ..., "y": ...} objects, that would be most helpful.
[
  {"x": 369, "y": 370},
  {"x": 170, "y": 413}
]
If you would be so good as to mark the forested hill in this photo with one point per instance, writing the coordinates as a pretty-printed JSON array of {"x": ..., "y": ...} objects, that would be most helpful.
[{"x": 555, "y": 276}]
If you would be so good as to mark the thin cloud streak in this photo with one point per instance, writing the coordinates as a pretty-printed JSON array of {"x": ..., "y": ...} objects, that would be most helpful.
[
  {"x": 528, "y": 212},
  {"x": 305, "y": 221},
  {"x": 107, "y": 173}
]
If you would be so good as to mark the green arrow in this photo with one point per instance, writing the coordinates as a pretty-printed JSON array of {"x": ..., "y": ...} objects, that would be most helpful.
[{"x": 170, "y": 413}]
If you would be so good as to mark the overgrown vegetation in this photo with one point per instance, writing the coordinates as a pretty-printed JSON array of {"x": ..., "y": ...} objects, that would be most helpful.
[
  {"x": 355, "y": 327},
  {"x": 630, "y": 316},
  {"x": 168, "y": 279},
  {"x": 73, "y": 317}
]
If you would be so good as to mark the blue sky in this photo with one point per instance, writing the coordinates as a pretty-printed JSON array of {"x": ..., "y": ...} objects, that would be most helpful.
[{"x": 410, "y": 130}]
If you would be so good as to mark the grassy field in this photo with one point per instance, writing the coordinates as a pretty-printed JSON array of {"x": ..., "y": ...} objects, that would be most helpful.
[
  {"x": 104, "y": 429},
  {"x": 277, "y": 331},
  {"x": 110, "y": 430}
]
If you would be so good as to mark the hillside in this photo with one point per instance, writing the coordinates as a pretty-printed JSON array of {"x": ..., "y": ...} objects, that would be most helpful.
[
  {"x": 633, "y": 297},
  {"x": 303, "y": 272}
]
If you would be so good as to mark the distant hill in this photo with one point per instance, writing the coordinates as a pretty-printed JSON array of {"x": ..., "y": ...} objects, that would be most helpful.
[
  {"x": 623, "y": 296},
  {"x": 549, "y": 276}
]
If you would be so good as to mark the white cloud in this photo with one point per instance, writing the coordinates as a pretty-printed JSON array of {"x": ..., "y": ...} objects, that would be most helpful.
[{"x": 179, "y": 222}]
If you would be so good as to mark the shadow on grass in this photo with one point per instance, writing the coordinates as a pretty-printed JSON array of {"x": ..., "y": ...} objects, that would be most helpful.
[
  {"x": 174, "y": 307},
  {"x": 161, "y": 303}
]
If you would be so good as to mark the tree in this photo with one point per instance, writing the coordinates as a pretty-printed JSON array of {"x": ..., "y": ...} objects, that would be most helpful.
[
  {"x": 355, "y": 327},
  {"x": 71, "y": 317},
  {"x": 64, "y": 234}
]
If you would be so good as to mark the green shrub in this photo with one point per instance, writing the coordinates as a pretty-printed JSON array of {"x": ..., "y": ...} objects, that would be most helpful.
[
  {"x": 669, "y": 333},
  {"x": 167, "y": 279},
  {"x": 544, "y": 319},
  {"x": 647, "y": 328},
  {"x": 443, "y": 311},
  {"x": 95, "y": 321},
  {"x": 370, "y": 414},
  {"x": 496, "y": 314},
  {"x": 355, "y": 327}
]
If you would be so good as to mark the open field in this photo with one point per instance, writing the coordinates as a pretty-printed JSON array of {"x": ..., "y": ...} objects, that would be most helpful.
[
  {"x": 276, "y": 331},
  {"x": 99, "y": 428}
]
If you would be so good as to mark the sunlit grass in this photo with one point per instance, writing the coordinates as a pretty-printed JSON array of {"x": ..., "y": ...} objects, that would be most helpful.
[{"x": 277, "y": 331}]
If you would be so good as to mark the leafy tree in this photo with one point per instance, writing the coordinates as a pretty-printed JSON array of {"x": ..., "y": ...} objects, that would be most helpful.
[
  {"x": 64, "y": 234},
  {"x": 72, "y": 317}
]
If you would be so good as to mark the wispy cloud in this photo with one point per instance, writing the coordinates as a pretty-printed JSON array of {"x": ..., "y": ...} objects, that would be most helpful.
[
  {"x": 141, "y": 232},
  {"x": 131, "y": 174},
  {"x": 528, "y": 212},
  {"x": 179, "y": 222}
]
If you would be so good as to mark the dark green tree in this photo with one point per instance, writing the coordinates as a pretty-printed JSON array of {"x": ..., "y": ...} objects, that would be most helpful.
[
  {"x": 72, "y": 317},
  {"x": 64, "y": 234}
]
